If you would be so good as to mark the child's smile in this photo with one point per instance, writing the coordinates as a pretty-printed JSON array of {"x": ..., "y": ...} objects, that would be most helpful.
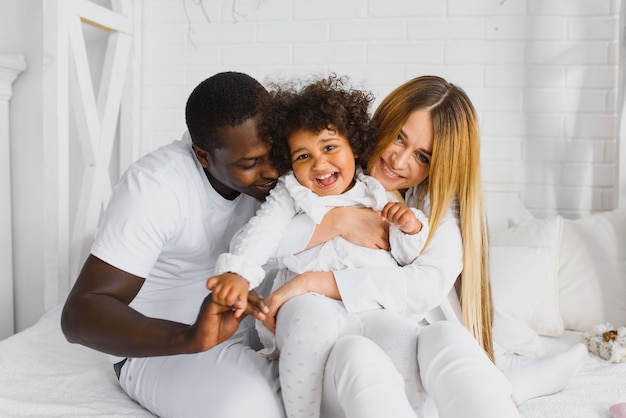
[{"x": 322, "y": 162}]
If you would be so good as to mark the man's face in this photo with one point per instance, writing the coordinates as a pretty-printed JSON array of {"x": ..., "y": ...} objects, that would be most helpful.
[{"x": 242, "y": 165}]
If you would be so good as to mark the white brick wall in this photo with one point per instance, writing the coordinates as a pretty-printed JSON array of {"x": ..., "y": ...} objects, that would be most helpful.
[{"x": 542, "y": 74}]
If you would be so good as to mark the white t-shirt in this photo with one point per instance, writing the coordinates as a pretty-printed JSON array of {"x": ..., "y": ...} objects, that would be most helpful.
[{"x": 165, "y": 223}]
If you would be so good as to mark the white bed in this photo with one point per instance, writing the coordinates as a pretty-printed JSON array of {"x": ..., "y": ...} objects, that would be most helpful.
[{"x": 42, "y": 375}]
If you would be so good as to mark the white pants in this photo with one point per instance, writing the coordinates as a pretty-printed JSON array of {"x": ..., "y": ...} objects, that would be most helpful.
[
  {"x": 230, "y": 380},
  {"x": 455, "y": 371},
  {"x": 360, "y": 381},
  {"x": 459, "y": 376}
]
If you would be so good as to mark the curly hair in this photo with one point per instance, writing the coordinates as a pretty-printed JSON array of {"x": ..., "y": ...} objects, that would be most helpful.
[
  {"x": 224, "y": 99},
  {"x": 329, "y": 103}
]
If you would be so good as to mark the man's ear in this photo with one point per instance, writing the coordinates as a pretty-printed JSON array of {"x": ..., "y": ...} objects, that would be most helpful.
[{"x": 203, "y": 157}]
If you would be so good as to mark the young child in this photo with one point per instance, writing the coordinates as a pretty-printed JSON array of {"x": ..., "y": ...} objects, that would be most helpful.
[{"x": 318, "y": 134}]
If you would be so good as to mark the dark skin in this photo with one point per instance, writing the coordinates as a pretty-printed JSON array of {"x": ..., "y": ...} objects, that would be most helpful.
[
  {"x": 96, "y": 313},
  {"x": 100, "y": 298}
]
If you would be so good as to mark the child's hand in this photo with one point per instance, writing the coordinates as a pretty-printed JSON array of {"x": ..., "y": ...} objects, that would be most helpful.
[
  {"x": 400, "y": 215},
  {"x": 230, "y": 289}
]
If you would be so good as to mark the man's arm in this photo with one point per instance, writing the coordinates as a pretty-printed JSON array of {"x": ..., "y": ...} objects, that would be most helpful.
[{"x": 96, "y": 314}]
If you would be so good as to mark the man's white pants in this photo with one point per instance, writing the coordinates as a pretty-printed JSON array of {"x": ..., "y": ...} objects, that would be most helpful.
[{"x": 229, "y": 380}]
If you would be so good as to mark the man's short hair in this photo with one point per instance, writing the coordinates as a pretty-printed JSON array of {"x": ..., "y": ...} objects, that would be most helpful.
[{"x": 225, "y": 99}]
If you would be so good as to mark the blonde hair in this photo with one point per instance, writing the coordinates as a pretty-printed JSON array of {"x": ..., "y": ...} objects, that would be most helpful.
[{"x": 454, "y": 173}]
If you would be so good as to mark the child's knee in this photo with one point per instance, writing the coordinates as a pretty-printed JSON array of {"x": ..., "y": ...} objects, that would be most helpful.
[{"x": 307, "y": 319}]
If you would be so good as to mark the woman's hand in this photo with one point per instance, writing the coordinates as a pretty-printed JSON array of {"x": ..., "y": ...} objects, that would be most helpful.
[
  {"x": 309, "y": 282},
  {"x": 361, "y": 226}
]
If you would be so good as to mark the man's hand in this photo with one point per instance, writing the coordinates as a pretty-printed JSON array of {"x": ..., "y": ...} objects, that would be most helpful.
[
  {"x": 400, "y": 215},
  {"x": 230, "y": 289},
  {"x": 217, "y": 322}
]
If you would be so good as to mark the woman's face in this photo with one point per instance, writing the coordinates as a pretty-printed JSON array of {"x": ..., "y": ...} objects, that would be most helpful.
[
  {"x": 406, "y": 161},
  {"x": 323, "y": 163}
]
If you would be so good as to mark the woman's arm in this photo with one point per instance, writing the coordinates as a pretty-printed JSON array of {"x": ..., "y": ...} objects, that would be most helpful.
[
  {"x": 360, "y": 226},
  {"x": 416, "y": 288}
]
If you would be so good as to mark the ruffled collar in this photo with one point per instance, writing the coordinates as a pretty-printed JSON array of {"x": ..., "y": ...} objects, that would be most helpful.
[{"x": 366, "y": 192}]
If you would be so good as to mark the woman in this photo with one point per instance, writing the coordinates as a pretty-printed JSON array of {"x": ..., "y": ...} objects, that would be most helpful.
[{"x": 428, "y": 147}]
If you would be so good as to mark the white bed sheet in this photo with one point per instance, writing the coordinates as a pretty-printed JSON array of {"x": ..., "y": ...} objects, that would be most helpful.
[
  {"x": 598, "y": 385},
  {"x": 42, "y": 375}
]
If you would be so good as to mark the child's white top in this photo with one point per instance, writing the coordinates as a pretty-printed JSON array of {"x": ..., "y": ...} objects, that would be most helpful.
[{"x": 256, "y": 243}]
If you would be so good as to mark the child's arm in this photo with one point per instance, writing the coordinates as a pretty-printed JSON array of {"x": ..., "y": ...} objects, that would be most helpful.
[
  {"x": 408, "y": 231},
  {"x": 230, "y": 289},
  {"x": 257, "y": 241}
]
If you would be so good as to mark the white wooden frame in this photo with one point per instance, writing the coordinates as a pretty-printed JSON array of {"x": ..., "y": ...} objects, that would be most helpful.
[
  {"x": 68, "y": 90},
  {"x": 621, "y": 138},
  {"x": 10, "y": 67}
]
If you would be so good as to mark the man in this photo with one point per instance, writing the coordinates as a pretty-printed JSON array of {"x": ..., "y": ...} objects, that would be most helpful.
[{"x": 142, "y": 295}]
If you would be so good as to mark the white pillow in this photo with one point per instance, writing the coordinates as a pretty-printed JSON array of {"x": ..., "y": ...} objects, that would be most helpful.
[
  {"x": 539, "y": 233},
  {"x": 518, "y": 276},
  {"x": 592, "y": 271},
  {"x": 503, "y": 207}
]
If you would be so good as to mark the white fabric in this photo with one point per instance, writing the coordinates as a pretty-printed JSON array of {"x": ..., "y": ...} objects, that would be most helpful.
[
  {"x": 518, "y": 276},
  {"x": 214, "y": 381},
  {"x": 308, "y": 326},
  {"x": 504, "y": 209},
  {"x": 424, "y": 287},
  {"x": 42, "y": 375},
  {"x": 592, "y": 270},
  {"x": 459, "y": 377},
  {"x": 249, "y": 253},
  {"x": 539, "y": 233},
  {"x": 165, "y": 222},
  {"x": 362, "y": 375}
]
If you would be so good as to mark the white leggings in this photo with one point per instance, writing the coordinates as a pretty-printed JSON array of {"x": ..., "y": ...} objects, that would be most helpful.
[{"x": 457, "y": 374}]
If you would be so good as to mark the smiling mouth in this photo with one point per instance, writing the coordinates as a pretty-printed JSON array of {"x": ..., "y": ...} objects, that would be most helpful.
[
  {"x": 387, "y": 169},
  {"x": 267, "y": 186},
  {"x": 327, "y": 179}
]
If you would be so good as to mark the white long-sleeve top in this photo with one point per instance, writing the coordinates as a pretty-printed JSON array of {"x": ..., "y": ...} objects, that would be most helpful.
[
  {"x": 256, "y": 243},
  {"x": 425, "y": 287}
]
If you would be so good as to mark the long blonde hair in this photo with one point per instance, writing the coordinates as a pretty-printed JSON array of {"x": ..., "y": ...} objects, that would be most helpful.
[{"x": 454, "y": 173}]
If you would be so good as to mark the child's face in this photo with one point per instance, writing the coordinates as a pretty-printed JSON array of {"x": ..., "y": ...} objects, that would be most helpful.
[{"x": 323, "y": 163}]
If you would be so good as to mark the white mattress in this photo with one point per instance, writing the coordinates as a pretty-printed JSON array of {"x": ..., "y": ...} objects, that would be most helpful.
[{"x": 42, "y": 375}]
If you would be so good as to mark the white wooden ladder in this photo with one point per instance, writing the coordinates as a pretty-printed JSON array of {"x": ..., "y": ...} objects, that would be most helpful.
[{"x": 83, "y": 159}]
